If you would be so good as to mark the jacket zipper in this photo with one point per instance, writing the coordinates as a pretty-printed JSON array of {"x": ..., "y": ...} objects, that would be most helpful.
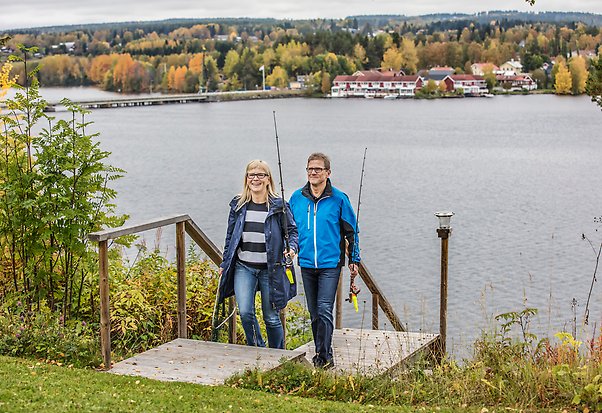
[
  {"x": 315, "y": 231},
  {"x": 308, "y": 227},
  {"x": 315, "y": 238}
]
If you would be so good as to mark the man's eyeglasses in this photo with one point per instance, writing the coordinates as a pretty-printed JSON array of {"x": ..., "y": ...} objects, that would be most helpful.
[
  {"x": 315, "y": 170},
  {"x": 258, "y": 176}
]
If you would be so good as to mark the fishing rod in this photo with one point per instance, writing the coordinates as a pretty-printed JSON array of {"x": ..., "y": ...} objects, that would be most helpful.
[
  {"x": 288, "y": 261},
  {"x": 353, "y": 289}
]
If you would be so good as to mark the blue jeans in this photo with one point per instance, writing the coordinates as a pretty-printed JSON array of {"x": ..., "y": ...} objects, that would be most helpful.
[
  {"x": 246, "y": 281},
  {"x": 320, "y": 291}
]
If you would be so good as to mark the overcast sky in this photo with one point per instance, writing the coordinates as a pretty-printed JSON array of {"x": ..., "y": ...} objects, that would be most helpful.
[{"x": 33, "y": 13}]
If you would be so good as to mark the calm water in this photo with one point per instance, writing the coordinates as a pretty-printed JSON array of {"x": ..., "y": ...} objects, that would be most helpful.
[{"x": 523, "y": 175}]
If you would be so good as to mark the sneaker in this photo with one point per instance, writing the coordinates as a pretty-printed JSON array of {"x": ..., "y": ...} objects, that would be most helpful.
[
  {"x": 317, "y": 361},
  {"x": 320, "y": 363},
  {"x": 328, "y": 364}
]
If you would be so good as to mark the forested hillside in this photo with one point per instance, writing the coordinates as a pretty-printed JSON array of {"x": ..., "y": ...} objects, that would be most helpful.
[{"x": 188, "y": 55}]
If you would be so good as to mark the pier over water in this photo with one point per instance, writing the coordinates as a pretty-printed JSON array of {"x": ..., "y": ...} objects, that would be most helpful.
[{"x": 148, "y": 100}]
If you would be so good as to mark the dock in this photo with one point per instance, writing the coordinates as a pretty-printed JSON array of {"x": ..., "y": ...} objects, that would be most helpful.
[
  {"x": 150, "y": 100},
  {"x": 202, "y": 362},
  {"x": 367, "y": 352}
]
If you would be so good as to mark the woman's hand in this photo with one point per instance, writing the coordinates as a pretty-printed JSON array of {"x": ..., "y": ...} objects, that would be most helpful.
[{"x": 290, "y": 253}]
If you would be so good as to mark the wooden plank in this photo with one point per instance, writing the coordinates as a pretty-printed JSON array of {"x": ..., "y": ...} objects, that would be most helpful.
[
  {"x": 375, "y": 301},
  {"x": 105, "y": 316},
  {"x": 134, "y": 228},
  {"x": 338, "y": 323},
  {"x": 374, "y": 352},
  {"x": 202, "y": 362},
  {"x": 181, "y": 269}
]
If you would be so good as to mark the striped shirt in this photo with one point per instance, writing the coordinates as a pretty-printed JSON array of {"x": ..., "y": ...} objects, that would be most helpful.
[{"x": 251, "y": 249}]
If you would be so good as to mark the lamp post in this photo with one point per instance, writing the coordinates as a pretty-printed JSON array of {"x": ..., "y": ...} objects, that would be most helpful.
[
  {"x": 262, "y": 69},
  {"x": 444, "y": 232}
]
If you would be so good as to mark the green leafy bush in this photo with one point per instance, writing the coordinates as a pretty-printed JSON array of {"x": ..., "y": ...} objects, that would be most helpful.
[{"x": 44, "y": 335}]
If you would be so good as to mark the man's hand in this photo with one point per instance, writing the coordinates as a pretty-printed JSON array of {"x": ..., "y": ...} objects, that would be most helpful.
[
  {"x": 220, "y": 270},
  {"x": 353, "y": 268}
]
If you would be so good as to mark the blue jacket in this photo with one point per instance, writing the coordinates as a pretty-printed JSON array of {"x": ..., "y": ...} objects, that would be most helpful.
[
  {"x": 281, "y": 290},
  {"x": 324, "y": 224}
]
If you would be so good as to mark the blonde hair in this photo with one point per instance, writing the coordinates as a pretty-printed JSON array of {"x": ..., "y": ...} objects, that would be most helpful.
[{"x": 245, "y": 196}]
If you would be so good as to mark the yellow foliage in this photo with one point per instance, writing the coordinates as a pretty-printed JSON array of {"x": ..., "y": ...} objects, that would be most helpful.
[
  {"x": 578, "y": 71},
  {"x": 278, "y": 78},
  {"x": 5, "y": 82},
  {"x": 195, "y": 65},
  {"x": 5, "y": 79},
  {"x": 564, "y": 82},
  {"x": 392, "y": 60}
]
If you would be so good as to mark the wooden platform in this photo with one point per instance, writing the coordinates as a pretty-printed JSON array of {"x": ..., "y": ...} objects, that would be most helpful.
[
  {"x": 202, "y": 362},
  {"x": 368, "y": 352},
  {"x": 374, "y": 352}
]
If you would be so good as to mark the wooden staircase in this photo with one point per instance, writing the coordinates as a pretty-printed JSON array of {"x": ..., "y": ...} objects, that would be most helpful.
[{"x": 355, "y": 350}]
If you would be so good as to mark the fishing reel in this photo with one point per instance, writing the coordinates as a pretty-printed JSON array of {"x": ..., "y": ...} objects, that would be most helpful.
[{"x": 353, "y": 292}]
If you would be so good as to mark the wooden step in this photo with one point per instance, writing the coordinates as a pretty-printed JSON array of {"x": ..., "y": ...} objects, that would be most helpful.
[
  {"x": 374, "y": 352},
  {"x": 202, "y": 362}
]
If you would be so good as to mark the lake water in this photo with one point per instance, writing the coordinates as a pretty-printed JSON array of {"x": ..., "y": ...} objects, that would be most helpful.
[{"x": 523, "y": 175}]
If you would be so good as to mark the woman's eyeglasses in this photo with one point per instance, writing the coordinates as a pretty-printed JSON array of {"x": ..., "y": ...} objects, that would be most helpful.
[
  {"x": 258, "y": 176},
  {"x": 315, "y": 170}
]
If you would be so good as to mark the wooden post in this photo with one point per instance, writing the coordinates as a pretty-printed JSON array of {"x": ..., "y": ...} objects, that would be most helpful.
[
  {"x": 375, "y": 311},
  {"x": 105, "y": 316},
  {"x": 338, "y": 322},
  {"x": 282, "y": 316},
  {"x": 444, "y": 235},
  {"x": 232, "y": 320},
  {"x": 181, "y": 268}
]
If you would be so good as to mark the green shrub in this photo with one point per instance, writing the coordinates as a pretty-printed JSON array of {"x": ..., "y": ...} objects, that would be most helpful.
[{"x": 44, "y": 335}]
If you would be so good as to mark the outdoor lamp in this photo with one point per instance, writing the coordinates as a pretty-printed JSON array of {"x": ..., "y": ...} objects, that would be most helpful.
[
  {"x": 444, "y": 232},
  {"x": 444, "y": 219}
]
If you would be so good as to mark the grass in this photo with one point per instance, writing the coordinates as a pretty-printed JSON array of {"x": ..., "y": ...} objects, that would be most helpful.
[{"x": 29, "y": 386}]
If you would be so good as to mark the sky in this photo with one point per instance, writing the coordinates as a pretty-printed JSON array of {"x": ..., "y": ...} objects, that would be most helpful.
[{"x": 35, "y": 13}]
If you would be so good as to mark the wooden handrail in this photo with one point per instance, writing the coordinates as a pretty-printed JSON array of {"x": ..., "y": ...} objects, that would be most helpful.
[
  {"x": 130, "y": 229},
  {"x": 378, "y": 300},
  {"x": 183, "y": 224}
]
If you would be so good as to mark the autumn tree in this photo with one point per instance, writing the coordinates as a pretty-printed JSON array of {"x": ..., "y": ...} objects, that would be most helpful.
[
  {"x": 294, "y": 57},
  {"x": 594, "y": 82},
  {"x": 277, "y": 78},
  {"x": 489, "y": 76},
  {"x": 359, "y": 55},
  {"x": 231, "y": 63},
  {"x": 326, "y": 85},
  {"x": 442, "y": 88},
  {"x": 99, "y": 66},
  {"x": 392, "y": 60},
  {"x": 578, "y": 74},
  {"x": 564, "y": 82},
  {"x": 409, "y": 55}
]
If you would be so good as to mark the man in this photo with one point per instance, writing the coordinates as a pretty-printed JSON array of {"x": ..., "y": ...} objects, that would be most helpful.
[{"x": 326, "y": 223}]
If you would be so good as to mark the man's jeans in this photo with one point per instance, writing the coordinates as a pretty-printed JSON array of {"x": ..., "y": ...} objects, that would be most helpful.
[
  {"x": 246, "y": 281},
  {"x": 320, "y": 291}
]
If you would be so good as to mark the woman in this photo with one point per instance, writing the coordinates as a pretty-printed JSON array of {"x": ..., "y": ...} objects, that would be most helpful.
[{"x": 254, "y": 255}]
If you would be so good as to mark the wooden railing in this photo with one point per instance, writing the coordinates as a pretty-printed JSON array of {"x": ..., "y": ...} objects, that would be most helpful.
[{"x": 184, "y": 224}]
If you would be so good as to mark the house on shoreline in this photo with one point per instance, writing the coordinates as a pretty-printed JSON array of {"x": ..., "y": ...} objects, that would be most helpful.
[{"x": 375, "y": 84}]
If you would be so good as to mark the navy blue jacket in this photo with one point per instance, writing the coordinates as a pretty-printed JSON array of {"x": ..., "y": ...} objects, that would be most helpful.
[
  {"x": 281, "y": 290},
  {"x": 324, "y": 224}
]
